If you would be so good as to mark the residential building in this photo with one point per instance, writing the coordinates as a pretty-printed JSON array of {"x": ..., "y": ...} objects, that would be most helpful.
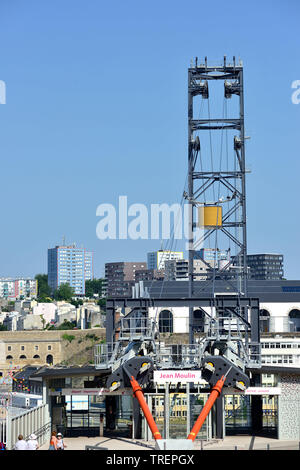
[
  {"x": 177, "y": 269},
  {"x": 46, "y": 311},
  {"x": 265, "y": 266},
  {"x": 157, "y": 259},
  {"x": 215, "y": 258},
  {"x": 18, "y": 288},
  {"x": 69, "y": 264},
  {"x": 148, "y": 275},
  {"x": 120, "y": 277}
]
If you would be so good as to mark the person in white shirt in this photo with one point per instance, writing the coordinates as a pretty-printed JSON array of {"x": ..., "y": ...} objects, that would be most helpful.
[
  {"x": 32, "y": 443},
  {"x": 60, "y": 445},
  {"x": 21, "y": 444}
]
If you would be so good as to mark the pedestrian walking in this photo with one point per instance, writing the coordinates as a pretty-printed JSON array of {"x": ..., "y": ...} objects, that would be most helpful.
[
  {"x": 53, "y": 441},
  {"x": 60, "y": 445},
  {"x": 32, "y": 443},
  {"x": 21, "y": 444}
]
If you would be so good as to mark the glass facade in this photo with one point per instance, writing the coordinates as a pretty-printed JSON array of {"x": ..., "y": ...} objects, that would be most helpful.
[
  {"x": 174, "y": 413},
  {"x": 265, "y": 266}
]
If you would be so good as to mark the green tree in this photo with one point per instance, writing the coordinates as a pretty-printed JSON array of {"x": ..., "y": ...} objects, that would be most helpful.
[
  {"x": 64, "y": 292},
  {"x": 93, "y": 286},
  {"x": 77, "y": 302},
  {"x": 66, "y": 325},
  {"x": 102, "y": 303},
  {"x": 44, "y": 290}
]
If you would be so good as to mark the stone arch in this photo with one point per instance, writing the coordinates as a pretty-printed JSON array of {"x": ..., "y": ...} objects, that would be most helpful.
[
  {"x": 165, "y": 321},
  {"x": 9, "y": 357},
  {"x": 36, "y": 356},
  {"x": 199, "y": 320},
  {"x": 294, "y": 320},
  {"x": 49, "y": 359},
  {"x": 264, "y": 320},
  {"x": 22, "y": 356}
]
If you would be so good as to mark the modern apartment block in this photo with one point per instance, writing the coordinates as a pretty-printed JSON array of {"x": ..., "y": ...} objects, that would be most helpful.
[
  {"x": 69, "y": 264},
  {"x": 265, "y": 266},
  {"x": 148, "y": 275},
  {"x": 177, "y": 269},
  {"x": 16, "y": 288},
  {"x": 120, "y": 277},
  {"x": 217, "y": 259},
  {"x": 157, "y": 259}
]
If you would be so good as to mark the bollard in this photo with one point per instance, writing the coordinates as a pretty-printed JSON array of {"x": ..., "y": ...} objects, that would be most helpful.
[{"x": 101, "y": 424}]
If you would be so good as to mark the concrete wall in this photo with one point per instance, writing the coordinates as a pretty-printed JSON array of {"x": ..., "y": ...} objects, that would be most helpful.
[
  {"x": 279, "y": 315},
  {"x": 47, "y": 310},
  {"x": 289, "y": 407}
]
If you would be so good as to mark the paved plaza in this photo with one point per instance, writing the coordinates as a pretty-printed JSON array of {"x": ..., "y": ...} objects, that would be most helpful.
[{"x": 228, "y": 443}]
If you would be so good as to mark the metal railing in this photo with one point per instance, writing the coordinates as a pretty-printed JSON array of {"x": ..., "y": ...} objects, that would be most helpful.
[
  {"x": 36, "y": 420},
  {"x": 135, "y": 327},
  {"x": 171, "y": 355},
  {"x": 3, "y": 429},
  {"x": 178, "y": 355},
  {"x": 103, "y": 354}
]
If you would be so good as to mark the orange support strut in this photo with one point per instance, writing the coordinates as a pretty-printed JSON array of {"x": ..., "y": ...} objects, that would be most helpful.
[
  {"x": 214, "y": 394},
  {"x": 137, "y": 392}
]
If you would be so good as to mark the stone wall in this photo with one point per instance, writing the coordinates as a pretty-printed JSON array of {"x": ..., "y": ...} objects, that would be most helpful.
[{"x": 37, "y": 348}]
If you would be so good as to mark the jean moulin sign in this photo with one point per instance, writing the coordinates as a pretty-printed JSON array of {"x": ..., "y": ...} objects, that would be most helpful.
[{"x": 174, "y": 376}]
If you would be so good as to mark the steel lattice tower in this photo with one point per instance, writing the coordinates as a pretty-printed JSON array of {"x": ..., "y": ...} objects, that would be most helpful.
[{"x": 229, "y": 178}]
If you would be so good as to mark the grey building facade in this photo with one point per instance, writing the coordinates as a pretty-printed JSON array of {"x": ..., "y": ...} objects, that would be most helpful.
[
  {"x": 265, "y": 266},
  {"x": 120, "y": 277}
]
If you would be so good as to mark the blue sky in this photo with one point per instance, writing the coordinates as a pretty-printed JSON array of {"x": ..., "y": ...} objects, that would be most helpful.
[{"x": 96, "y": 107}]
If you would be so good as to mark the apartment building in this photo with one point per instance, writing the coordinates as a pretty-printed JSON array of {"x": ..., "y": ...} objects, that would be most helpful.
[
  {"x": 69, "y": 264},
  {"x": 265, "y": 266},
  {"x": 120, "y": 277},
  {"x": 18, "y": 288},
  {"x": 177, "y": 269},
  {"x": 157, "y": 259}
]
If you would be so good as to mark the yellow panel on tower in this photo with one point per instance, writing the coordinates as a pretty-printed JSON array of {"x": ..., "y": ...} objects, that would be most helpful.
[{"x": 210, "y": 216}]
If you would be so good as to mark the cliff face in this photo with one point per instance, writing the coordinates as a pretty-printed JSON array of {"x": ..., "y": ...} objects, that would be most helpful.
[{"x": 78, "y": 348}]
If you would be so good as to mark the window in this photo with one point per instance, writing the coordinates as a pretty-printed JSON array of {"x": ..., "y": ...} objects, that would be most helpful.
[
  {"x": 264, "y": 321},
  {"x": 166, "y": 321},
  {"x": 294, "y": 317},
  {"x": 49, "y": 348},
  {"x": 22, "y": 348},
  {"x": 49, "y": 359},
  {"x": 9, "y": 348}
]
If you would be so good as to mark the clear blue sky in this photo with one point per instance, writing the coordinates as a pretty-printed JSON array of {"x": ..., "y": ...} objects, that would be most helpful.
[{"x": 97, "y": 108}]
